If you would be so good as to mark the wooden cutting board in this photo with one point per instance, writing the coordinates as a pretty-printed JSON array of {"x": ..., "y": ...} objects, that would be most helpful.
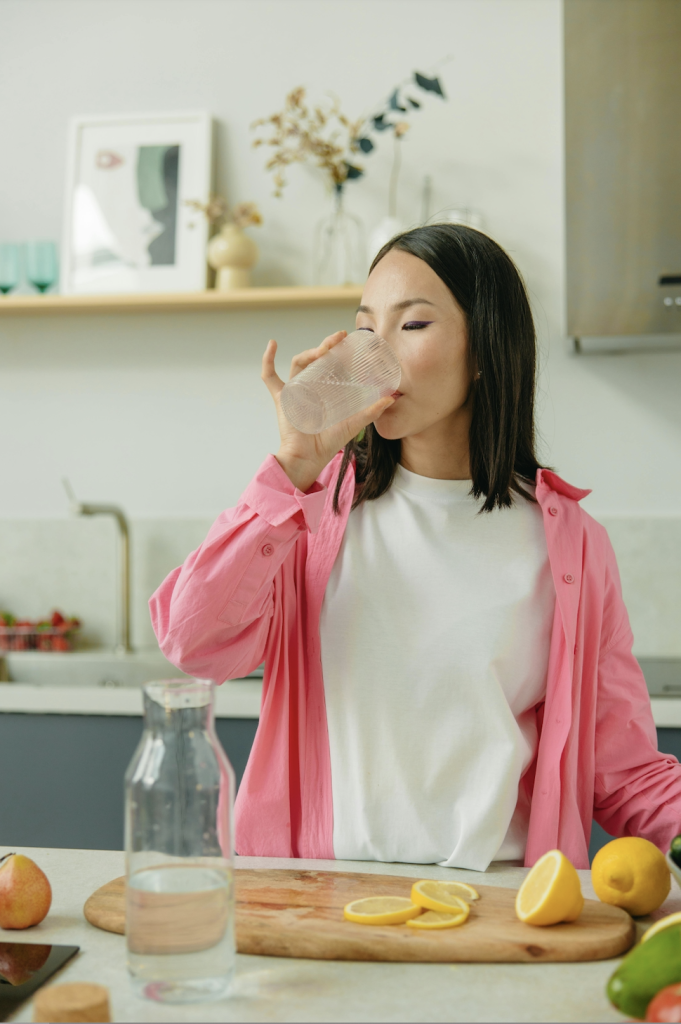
[{"x": 300, "y": 914}]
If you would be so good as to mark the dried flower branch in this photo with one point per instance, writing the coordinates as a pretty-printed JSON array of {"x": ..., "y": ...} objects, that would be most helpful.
[
  {"x": 217, "y": 211},
  {"x": 327, "y": 138},
  {"x": 245, "y": 215},
  {"x": 323, "y": 135}
]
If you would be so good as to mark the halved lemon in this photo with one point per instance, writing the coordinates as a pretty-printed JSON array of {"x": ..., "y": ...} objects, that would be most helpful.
[
  {"x": 381, "y": 910},
  {"x": 551, "y": 893},
  {"x": 659, "y": 926},
  {"x": 447, "y": 897},
  {"x": 434, "y": 919}
]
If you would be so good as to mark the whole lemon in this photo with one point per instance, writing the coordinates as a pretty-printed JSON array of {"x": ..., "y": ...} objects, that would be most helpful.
[{"x": 631, "y": 873}]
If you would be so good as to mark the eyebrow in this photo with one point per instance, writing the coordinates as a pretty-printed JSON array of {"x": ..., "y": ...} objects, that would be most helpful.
[{"x": 400, "y": 305}]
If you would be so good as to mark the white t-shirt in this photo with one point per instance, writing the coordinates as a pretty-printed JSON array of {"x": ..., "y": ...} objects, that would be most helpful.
[{"x": 435, "y": 633}]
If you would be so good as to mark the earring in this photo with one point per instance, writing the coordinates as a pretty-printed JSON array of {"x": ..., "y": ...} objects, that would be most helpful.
[{"x": 478, "y": 375}]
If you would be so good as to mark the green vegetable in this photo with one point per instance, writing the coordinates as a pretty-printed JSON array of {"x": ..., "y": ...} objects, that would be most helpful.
[
  {"x": 675, "y": 850},
  {"x": 650, "y": 966}
]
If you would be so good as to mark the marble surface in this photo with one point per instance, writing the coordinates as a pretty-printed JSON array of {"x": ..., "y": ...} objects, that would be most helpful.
[
  {"x": 270, "y": 989},
  {"x": 237, "y": 698}
]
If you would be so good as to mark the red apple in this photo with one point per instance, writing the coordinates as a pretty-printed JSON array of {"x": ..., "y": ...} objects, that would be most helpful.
[
  {"x": 25, "y": 893},
  {"x": 20, "y": 960}
]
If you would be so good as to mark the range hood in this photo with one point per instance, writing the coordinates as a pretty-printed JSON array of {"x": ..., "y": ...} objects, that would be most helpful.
[{"x": 623, "y": 174}]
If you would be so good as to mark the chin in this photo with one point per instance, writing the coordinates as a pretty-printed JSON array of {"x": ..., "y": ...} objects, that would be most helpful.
[{"x": 388, "y": 429}]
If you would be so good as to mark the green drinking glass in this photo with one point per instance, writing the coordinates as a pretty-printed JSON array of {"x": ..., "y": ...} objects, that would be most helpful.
[
  {"x": 41, "y": 264},
  {"x": 9, "y": 267}
]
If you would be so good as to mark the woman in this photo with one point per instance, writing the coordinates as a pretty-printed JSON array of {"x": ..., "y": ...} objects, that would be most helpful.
[{"x": 448, "y": 667}]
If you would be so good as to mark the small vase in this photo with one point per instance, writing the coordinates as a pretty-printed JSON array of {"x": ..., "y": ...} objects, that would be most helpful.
[
  {"x": 339, "y": 247},
  {"x": 232, "y": 254}
]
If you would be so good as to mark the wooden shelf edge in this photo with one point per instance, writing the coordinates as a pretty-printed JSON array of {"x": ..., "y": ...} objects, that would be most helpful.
[{"x": 241, "y": 298}]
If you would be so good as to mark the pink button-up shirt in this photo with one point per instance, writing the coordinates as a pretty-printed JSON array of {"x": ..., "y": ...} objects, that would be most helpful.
[{"x": 253, "y": 591}]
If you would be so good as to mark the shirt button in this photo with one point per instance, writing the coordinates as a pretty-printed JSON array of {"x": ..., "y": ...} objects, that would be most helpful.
[
  {"x": 568, "y": 577},
  {"x": 267, "y": 550},
  {"x": 553, "y": 511}
]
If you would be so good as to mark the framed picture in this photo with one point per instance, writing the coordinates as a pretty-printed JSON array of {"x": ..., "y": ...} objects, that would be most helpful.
[{"x": 127, "y": 227}]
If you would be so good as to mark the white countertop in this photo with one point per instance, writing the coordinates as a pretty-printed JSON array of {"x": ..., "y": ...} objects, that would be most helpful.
[
  {"x": 272, "y": 989},
  {"x": 238, "y": 698}
]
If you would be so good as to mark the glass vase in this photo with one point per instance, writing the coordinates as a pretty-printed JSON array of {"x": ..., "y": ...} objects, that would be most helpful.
[
  {"x": 179, "y": 796},
  {"x": 339, "y": 246}
]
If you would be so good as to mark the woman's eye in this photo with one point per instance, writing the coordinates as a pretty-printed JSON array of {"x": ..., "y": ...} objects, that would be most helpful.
[
  {"x": 416, "y": 325},
  {"x": 365, "y": 329}
]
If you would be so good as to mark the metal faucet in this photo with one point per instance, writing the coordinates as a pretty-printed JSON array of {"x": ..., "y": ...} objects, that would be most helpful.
[{"x": 79, "y": 508}]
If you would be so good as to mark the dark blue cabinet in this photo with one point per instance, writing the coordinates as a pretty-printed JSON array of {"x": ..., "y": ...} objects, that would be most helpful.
[{"x": 61, "y": 776}]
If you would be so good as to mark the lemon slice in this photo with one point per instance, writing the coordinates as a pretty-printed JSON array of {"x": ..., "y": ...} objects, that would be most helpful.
[
  {"x": 659, "y": 926},
  {"x": 551, "y": 892},
  {"x": 381, "y": 910},
  {"x": 432, "y": 919},
  {"x": 441, "y": 896}
]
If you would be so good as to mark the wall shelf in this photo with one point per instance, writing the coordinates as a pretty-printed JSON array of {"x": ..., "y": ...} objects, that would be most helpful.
[{"x": 241, "y": 298}]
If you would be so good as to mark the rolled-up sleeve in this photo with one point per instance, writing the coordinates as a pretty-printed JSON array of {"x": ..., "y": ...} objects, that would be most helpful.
[
  {"x": 211, "y": 615},
  {"x": 637, "y": 788}
]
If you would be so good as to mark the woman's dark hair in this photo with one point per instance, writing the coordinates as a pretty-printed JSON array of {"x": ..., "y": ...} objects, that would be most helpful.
[{"x": 502, "y": 349}]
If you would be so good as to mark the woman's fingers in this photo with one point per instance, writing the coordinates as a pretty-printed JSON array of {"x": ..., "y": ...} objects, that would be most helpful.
[
  {"x": 304, "y": 359},
  {"x": 269, "y": 374},
  {"x": 355, "y": 423}
]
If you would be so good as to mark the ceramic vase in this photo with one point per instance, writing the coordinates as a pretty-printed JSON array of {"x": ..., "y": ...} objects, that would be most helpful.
[{"x": 232, "y": 254}]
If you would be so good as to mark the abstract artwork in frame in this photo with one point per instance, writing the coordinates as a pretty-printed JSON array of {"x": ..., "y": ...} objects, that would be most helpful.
[{"x": 127, "y": 225}]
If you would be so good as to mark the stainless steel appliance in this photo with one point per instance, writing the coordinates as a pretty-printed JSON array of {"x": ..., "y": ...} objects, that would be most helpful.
[{"x": 623, "y": 173}]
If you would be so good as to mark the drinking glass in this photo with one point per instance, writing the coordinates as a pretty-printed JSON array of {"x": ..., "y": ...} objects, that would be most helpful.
[
  {"x": 350, "y": 377},
  {"x": 41, "y": 264},
  {"x": 179, "y": 849},
  {"x": 9, "y": 267}
]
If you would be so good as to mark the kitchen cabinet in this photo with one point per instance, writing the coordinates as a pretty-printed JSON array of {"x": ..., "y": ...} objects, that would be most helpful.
[{"x": 61, "y": 776}]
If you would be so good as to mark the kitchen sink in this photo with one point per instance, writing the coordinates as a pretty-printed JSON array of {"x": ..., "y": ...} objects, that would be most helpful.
[
  {"x": 89, "y": 668},
  {"x": 662, "y": 675},
  {"x": 85, "y": 668}
]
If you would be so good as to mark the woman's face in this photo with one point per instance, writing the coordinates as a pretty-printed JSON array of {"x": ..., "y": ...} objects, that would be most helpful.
[{"x": 411, "y": 307}]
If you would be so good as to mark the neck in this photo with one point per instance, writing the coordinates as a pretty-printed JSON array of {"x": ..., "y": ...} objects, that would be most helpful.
[{"x": 442, "y": 451}]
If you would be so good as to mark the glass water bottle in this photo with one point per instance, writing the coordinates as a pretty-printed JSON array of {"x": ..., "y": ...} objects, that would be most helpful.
[{"x": 179, "y": 796}]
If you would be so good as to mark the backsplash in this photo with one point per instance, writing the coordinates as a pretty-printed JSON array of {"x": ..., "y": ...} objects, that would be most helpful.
[{"x": 72, "y": 564}]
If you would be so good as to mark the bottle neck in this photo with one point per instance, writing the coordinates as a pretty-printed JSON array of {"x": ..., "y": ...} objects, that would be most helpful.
[{"x": 178, "y": 705}]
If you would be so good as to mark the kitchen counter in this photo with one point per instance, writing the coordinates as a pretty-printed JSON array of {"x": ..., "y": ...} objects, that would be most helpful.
[
  {"x": 268, "y": 988},
  {"x": 237, "y": 698}
]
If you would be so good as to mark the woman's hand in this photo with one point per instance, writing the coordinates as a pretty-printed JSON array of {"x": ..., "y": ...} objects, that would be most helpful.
[{"x": 304, "y": 456}]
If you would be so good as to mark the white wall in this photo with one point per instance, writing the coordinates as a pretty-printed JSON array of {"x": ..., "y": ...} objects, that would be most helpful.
[{"x": 166, "y": 414}]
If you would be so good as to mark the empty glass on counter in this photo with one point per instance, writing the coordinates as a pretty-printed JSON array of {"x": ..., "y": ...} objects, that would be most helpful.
[
  {"x": 179, "y": 796},
  {"x": 353, "y": 375}
]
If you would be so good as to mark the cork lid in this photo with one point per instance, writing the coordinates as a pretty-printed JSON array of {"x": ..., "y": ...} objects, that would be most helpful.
[{"x": 77, "y": 1001}]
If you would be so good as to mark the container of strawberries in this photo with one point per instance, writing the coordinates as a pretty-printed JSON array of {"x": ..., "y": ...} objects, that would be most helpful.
[{"x": 54, "y": 634}]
